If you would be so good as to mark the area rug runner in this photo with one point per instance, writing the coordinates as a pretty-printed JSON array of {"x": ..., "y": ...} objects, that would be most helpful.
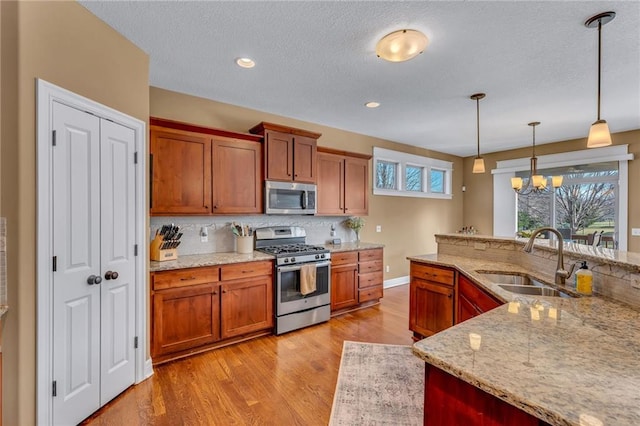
[{"x": 378, "y": 385}]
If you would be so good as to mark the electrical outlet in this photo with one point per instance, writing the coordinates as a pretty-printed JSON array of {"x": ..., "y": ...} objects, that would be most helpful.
[
  {"x": 635, "y": 232},
  {"x": 378, "y": 228},
  {"x": 480, "y": 246},
  {"x": 387, "y": 268},
  {"x": 204, "y": 234},
  {"x": 635, "y": 281}
]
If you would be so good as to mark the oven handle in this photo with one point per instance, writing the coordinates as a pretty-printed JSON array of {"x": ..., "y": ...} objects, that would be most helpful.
[{"x": 297, "y": 267}]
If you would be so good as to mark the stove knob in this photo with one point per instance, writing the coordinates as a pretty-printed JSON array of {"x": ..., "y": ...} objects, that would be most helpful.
[
  {"x": 286, "y": 260},
  {"x": 317, "y": 256},
  {"x": 322, "y": 256},
  {"x": 293, "y": 259}
]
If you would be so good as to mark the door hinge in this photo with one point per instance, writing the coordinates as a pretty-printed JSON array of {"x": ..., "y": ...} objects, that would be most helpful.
[
  {"x": 53, "y": 138},
  {"x": 55, "y": 388},
  {"x": 135, "y": 342},
  {"x": 135, "y": 157},
  {"x": 55, "y": 263},
  {"x": 135, "y": 250}
]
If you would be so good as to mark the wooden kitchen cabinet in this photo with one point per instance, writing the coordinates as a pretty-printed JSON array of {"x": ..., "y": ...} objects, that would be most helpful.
[
  {"x": 201, "y": 170},
  {"x": 472, "y": 300},
  {"x": 344, "y": 280},
  {"x": 247, "y": 298},
  {"x": 370, "y": 276},
  {"x": 290, "y": 153},
  {"x": 449, "y": 400},
  {"x": 431, "y": 299},
  {"x": 186, "y": 309},
  {"x": 180, "y": 165},
  {"x": 237, "y": 176},
  {"x": 343, "y": 183}
]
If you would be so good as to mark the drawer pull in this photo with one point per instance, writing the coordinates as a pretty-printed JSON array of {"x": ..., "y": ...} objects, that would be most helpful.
[{"x": 188, "y": 279}]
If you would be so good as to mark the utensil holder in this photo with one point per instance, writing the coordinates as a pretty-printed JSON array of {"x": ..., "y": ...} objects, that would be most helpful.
[
  {"x": 244, "y": 244},
  {"x": 161, "y": 255}
]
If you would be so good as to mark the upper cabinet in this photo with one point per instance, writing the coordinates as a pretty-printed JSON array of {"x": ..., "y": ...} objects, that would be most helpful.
[
  {"x": 199, "y": 170},
  {"x": 289, "y": 153},
  {"x": 343, "y": 183}
]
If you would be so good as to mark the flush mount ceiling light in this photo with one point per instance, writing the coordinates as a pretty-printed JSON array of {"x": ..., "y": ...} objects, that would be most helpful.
[
  {"x": 245, "y": 62},
  {"x": 401, "y": 45},
  {"x": 599, "y": 134},
  {"x": 478, "y": 163},
  {"x": 372, "y": 104},
  {"x": 535, "y": 182}
]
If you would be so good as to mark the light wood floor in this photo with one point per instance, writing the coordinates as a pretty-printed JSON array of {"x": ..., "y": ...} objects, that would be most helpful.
[{"x": 272, "y": 380}]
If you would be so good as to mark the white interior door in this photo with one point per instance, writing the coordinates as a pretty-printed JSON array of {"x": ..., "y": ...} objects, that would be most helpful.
[
  {"x": 76, "y": 244},
  {"x": 94, "y": 279},
  {"x": 117, "y": 207}
]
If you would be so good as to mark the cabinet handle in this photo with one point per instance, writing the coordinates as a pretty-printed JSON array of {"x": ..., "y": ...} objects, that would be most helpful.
[
  {"x": 151, "y": 181},
  {"x": 450, "y": 295},
  {"x": 188, "y": 279}
]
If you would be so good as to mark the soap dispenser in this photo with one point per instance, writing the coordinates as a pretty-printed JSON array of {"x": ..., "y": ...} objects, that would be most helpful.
[{"x": 584, "y": 280}]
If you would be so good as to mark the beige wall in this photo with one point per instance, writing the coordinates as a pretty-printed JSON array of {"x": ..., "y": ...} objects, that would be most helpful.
[
  {"x": 478, "y": 199},
  {"x": 408, "y": 224},
  {"x": 63, "y": 43}
]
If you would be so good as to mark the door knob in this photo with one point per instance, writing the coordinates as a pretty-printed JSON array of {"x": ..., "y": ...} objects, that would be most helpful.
[
  {"x": 94, "y": 279},
  {"x": 111, "y": 275}
]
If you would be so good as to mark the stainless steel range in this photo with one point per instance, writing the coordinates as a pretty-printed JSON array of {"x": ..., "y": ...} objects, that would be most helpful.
[{"x": 303, "y": 277}]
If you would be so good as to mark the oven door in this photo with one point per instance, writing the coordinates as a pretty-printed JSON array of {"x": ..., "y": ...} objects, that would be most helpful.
[{"x": 288, "y": 296}]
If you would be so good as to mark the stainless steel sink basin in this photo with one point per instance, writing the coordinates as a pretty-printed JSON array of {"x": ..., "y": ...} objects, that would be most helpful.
[
  {"x": 503, "y": 278},
  {"x": 533, "y": 290}
]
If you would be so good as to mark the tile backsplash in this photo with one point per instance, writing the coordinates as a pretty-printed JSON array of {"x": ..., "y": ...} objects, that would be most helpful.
[{"x": 221, "y": 240}]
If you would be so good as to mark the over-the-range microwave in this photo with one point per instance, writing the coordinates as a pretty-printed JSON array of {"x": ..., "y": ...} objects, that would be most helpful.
[{"x": 289, "y": 198}]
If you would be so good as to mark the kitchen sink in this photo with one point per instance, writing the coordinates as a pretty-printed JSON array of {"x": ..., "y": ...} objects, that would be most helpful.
[
  {"x": 533, "y": 290},
  {"x": 504, "y": 278}
]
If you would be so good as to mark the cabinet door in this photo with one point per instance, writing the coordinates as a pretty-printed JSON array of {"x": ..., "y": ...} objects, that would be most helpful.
[
  {"x": 330, "y": 184},
  {"x": 247, "y": 306},
  {"x": 279, "y": 156},
  {"x": 472, "y": 300},
  {"x": 356, "y": 186},
  {"x": 430, "y": 307},
  {"x": 466, "y": 309},
  {"x": 237, "y": 176},
  {"x": 344, "y": 286},
  {"x": 185, "y": 318},
  {"x": 304, "y": 159},
  {"x": 180, "y": 172}
]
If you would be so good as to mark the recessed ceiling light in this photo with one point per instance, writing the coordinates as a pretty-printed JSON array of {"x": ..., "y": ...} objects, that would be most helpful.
[
  {"x": 372, "y": 104},
  {"x": 245, "y": 62},
  {"x": 402, "y": 45}
]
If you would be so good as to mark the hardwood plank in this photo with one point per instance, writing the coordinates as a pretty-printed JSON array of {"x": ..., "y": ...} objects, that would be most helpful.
[{"x": 271, "y": 380}]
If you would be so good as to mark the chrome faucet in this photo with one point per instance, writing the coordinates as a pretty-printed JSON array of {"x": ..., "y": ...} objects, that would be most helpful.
[{"x": 561, "y": 273}]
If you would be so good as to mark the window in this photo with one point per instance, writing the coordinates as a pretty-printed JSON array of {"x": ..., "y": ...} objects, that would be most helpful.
[
  {"x": 413, "y": 178},
  {"x": 593, "y": 196},
  {"x": 407, "y": 175}
]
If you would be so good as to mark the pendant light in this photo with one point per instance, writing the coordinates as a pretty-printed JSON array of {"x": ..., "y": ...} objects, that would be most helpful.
[
  {"x": 599, "y": 134},
  {"x": 536, "y": 182},
  {"x": 478, "y": 163}
]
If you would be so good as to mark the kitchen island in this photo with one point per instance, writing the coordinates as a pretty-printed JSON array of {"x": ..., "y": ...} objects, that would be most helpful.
[{"x": 565, "y": 361}]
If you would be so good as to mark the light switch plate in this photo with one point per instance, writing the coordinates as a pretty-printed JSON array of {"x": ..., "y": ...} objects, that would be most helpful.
[
  {"x": 378, "y": 228},
  {"x": 635, "y": 281},
  {"x": 480, "y": 246},
  {"x": 635, "y": 232}
]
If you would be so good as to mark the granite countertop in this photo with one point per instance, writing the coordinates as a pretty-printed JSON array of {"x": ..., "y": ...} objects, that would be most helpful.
[
  {"x": 208, "y": 259},
  {"x": 213, "y": 259},
  {"x": 577, "y": 367}
]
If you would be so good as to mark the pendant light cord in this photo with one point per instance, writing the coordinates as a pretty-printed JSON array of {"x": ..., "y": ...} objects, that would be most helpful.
[
  {"x": 599, "y": 61},
  {"x": 478, "y": 123}
]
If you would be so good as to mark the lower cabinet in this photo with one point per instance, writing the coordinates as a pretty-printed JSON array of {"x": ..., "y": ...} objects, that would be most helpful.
[
  {"x": 431, "y": 299},
  {"x": 196, "y": 309},
  {"x": 356, "y": 278},
  {"x": 451, "y": 401},
  {"x": 472, "y": 300}
]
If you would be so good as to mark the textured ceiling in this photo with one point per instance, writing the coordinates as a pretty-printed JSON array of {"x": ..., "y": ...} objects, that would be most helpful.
[{"x": 316, "y": 62}]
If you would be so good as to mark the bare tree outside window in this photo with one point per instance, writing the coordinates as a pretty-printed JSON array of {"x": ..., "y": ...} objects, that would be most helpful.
[
  {"x": 437, "y": 181},
  {"x": 413, "y": 178},
  {"x": 386, "y": 175}
]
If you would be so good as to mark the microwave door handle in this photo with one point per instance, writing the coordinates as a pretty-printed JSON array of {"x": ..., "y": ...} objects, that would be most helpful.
[{"x": 305, "y": 199}]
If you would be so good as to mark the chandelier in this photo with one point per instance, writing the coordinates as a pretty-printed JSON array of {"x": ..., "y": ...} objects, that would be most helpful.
[{"x": 535, "y": 182}]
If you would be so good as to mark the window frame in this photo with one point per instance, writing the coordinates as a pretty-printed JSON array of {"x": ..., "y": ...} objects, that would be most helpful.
[{"x": 403, "y": 159}]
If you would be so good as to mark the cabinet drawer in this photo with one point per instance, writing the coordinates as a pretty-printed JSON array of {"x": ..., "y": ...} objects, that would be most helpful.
[
  {"x": 185, "y": 277},
  {"x": 371, "y": 293},
  {"x": 344, "y": 258},
  {"x": 432, "y": 273},
  {"x": 478, "y": 297},
  {"x": 371, "y": 266},
  {"x": 370, "y": 279},
  {"x": 367, "y": 255},
  {"x": 245, "y": 270}
]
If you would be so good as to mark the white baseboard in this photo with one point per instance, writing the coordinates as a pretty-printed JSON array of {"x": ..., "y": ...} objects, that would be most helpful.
[
  {"x": 396, "y": 282},
  {"x": 148, "y": 368}
]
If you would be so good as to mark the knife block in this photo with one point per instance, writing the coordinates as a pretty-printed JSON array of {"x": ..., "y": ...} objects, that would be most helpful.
[{"x": 161, "y": 255}]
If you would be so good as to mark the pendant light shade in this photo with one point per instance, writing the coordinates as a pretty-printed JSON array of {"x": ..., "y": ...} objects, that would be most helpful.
[
  {"x": 599, "y": 134},
  {"x": 478, "y": 163}
]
